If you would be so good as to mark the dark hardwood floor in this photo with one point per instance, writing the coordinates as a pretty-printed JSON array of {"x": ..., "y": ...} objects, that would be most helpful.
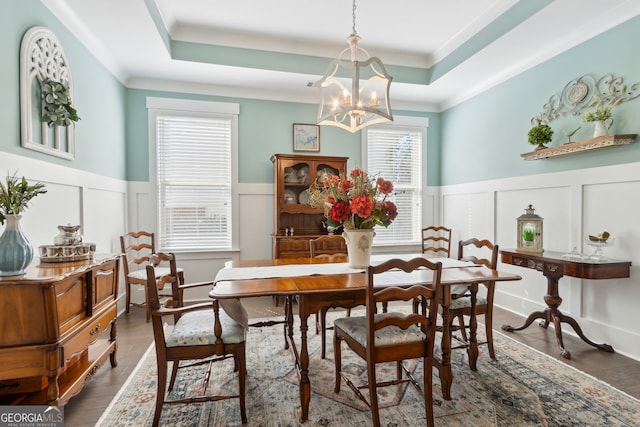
[{"x": 135, "y": 336}]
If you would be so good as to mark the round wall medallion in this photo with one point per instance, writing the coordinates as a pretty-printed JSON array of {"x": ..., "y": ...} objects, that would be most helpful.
[{"x": 578, "y": 92}]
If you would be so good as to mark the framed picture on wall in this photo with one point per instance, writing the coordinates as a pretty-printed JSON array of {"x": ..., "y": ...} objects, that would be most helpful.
[{"x": 306, "y": 137}]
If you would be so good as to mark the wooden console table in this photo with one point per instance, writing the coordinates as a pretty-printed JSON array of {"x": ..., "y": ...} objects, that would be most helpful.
[
  {"x": 57, "y": 327},
  {"x": 554, "y": 266}
]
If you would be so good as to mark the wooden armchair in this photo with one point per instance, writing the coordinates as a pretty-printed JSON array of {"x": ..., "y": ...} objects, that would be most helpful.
[
  {"x": 202, "y": 334},
  {"x": 389, "y": 337},
  {"x": 327, "y": 247},
  {"x": 137, "y": 249},
  {"x": 473, "y": 250},
  {"x": 436, "y": 240}
]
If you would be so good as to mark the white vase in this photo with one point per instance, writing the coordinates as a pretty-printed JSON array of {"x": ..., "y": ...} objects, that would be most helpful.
[
  {"x": 602, "y": 127},
  {"x": 359, "y": 243}
]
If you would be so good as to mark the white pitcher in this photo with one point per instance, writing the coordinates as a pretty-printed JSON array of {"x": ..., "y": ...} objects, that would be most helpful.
[{"x": 602, "y": 127}]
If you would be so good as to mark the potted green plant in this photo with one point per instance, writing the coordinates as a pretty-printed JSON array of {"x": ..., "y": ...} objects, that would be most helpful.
[
  {"x": 539, "y": 135},
  {"x": 56, "y": 104},
  {"x": 602, "y": 118},
  {"x": 15, "y": 250}
]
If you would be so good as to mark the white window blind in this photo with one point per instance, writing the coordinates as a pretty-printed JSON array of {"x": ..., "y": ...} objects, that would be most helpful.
[
  {"x": 394, "y": 152},
  {"x": 194, "y": 181}
]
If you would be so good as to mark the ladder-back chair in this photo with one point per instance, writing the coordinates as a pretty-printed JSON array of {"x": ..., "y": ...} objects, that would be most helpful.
[
  {"x": 202, "y": 334},
  {"x": 329, "y": 246},
  {"x": 481, "y": 252},
  {"x": 392, "y": 337},
  {"x": 137, "y": 249}
]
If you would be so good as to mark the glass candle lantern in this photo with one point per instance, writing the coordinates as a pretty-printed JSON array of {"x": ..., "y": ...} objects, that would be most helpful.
[{"x": 530, "y": 231}]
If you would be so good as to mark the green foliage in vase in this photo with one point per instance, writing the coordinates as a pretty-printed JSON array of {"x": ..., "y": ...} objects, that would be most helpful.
[
  {"x": 56, "y": 104},
  {"x": 603, "y": 113},
  {"x": 540, "y": 134},
  {"x": 15, "y": 195}
]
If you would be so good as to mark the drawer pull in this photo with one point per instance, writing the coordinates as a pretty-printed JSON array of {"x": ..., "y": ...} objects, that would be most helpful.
[
  {"x": 95, "y": 330},
  {"x": 7, "y": 386}
]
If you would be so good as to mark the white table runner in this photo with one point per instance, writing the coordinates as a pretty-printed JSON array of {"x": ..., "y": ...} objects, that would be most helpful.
[{"x": 298, "y": 270}]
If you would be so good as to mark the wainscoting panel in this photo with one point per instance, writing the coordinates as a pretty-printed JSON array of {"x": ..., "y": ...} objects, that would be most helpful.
[
  {"x": 60, "y": 205},
  {"x": 472, "y": 214},
  {"x": 614, "y": 207},
  {"x": 573, "y": 204}
]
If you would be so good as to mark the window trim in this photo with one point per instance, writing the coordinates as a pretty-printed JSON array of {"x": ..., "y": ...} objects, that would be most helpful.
[
  {"x": 408, "y": 121},
  {"x": 157, "y": 106}
]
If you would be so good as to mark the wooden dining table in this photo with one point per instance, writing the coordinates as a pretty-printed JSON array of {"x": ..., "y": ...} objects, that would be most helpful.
[{"x": 316, "y": 290}]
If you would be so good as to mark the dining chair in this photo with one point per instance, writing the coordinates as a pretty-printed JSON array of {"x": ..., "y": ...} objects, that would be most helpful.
[
  {"x": 481, "y": 252},
  {"x": 392, "y": 337},
  {"x": 436, "y": 239},
  {"x": 137, "y": 248},
  {"x": 202, "y": 334},
  {"x": 329, "y": 246}
]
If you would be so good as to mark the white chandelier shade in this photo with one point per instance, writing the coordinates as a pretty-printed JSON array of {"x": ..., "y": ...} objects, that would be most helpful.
[{"x": 355, "y": 89}]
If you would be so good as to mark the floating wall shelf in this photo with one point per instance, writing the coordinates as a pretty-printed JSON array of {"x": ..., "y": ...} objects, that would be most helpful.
[{"x": 569, "y": 148}]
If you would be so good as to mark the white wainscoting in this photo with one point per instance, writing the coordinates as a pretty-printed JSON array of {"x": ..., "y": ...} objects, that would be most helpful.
[
  {"x": 96, "y": 203},
  {"x": 573, "y": 204}
]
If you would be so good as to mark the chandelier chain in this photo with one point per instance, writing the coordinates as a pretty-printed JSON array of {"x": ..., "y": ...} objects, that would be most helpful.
[{"x": 353, "y": 14}]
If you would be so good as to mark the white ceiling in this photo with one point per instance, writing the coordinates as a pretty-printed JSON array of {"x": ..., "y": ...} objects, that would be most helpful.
[{"x": 468, "y": 45}]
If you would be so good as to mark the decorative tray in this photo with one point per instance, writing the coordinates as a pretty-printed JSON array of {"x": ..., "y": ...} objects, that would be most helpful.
[
  {"x": 66, "y": 258},
  {"x": 66, "y": 253}
]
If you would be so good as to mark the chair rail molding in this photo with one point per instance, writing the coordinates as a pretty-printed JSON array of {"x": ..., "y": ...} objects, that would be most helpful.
[
  {"x": 586, "y": 92},
  {"x": 42, "y": 57}
]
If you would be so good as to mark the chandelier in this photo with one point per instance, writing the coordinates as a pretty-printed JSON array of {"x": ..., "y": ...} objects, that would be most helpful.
[{"x": 361, "y": 101}]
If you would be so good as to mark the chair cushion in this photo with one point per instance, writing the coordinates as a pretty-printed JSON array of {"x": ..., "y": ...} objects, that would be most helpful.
[
  {"x": 196, "y": 328},
  {"x": 356, "y": 327},
  {"x": 142, "y": 274},
  {"x": 465, "y": 302}
]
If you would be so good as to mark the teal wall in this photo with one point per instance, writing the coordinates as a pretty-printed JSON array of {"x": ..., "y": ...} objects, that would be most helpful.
[
  {"x": 479, "y": 139},
  {"x": 265, "y": 128},
  {"x": 98, "y": 96},
  {"x": 484, "y": 136}
]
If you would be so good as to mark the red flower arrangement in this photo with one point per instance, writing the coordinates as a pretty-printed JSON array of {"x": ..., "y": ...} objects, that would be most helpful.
[{"x": 357, "y": 202}]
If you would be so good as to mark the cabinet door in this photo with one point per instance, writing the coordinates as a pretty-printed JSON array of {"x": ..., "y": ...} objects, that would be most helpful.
[
  {"x": 296, "y": 178},
  {"x": 324, "y": 170},
  {"x": 105, "y": 282}
]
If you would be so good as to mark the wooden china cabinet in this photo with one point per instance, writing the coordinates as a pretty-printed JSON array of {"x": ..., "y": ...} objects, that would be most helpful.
[{"x": 295, "y": 222}]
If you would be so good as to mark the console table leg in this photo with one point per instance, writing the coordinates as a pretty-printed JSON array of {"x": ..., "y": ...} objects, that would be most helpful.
[
  {"x": 556, "y": 319},
  {"x": 533, "y": 316},
  {"x": 574, "y": 324}
]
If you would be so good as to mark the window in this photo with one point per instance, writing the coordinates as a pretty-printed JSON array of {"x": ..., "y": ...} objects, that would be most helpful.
[
  {"x": 195, "y": 173},
  {"x": 394, "y": 151}
]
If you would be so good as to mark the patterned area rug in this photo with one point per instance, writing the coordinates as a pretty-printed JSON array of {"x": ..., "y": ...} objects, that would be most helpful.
[{"x": 522, "y": 388}]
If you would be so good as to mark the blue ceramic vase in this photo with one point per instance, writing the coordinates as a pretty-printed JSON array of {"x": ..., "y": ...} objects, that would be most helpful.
[{"x": 15, "y": 250}]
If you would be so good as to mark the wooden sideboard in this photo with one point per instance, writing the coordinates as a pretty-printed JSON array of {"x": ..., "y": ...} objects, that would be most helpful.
[{"x": 57, "y": 327}]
